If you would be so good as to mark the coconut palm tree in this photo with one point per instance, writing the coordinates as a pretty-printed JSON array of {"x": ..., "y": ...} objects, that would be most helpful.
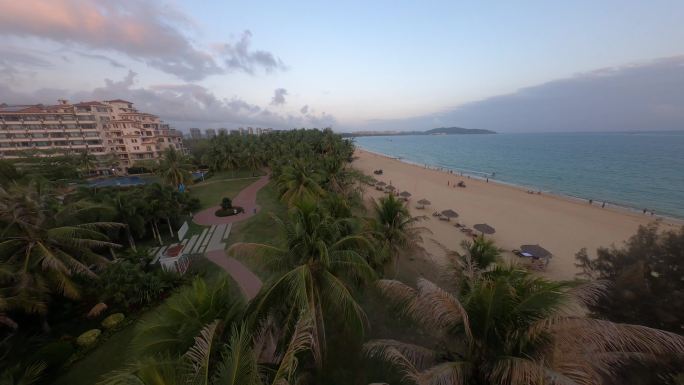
[
  {"x": 394, "y": 228},
  {"x": 86, "y": 162},
  {"x": 297, "y": 182},
  {"x": 314, "y": 273},
  {"x": 210, "y": 362},
  {"x": 47, "y": 244},
  {"x": 508, "y": 327},
  {"x": 482, "y": 251},
  {"x": 171, "y": 328},
  {"x": 174, "y": 168},
  {"x": 251, "y": 157}
]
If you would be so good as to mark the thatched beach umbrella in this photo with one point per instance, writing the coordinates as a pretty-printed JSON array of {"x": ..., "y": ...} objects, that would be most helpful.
[
  {"x": 381, "y": 184},
  {"x": 450, "y": 214},
  {"x": 424, "y": 202},
  {"x": 390, "y": 188},
  {"x": 536, "y": 251},
  {"x": 484, "y": 228},
  {"x": 405, "y": 194}
]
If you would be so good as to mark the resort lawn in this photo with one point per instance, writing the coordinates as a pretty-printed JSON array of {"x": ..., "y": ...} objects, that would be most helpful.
[
  {"x": 261, "y": 227},
  {"x": 114, "y": 353},
  {"x": 213, "y": 190},
  {"x": 111, "y": 355}
]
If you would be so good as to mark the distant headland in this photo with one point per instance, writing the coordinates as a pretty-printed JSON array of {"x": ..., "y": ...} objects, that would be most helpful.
[{"x": 434, "y": 131}]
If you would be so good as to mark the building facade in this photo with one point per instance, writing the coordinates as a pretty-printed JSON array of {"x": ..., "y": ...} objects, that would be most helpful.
[
  {"x": 195, "y": 133},
  {"x": 113, "y": 131}
]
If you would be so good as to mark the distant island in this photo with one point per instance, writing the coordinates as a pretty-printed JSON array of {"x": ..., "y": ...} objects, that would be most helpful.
[{"x": 434, "y": 131}]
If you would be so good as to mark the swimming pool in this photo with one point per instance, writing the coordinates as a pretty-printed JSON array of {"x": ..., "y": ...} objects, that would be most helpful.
[
  {"x": 121, "y": 181},
  {"x": 125, "y": 181}
]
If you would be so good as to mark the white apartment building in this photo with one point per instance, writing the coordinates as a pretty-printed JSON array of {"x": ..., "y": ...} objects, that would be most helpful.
[{"x": 113, "y": 131}]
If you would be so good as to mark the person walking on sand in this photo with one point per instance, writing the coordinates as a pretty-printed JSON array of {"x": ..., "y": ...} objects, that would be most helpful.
[{"x": 603, "y": 205}]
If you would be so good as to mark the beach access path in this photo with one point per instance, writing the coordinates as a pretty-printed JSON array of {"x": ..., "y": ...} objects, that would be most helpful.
[
  {"x": 215, "y": 251},
  {"x": 560, "y": 225}
]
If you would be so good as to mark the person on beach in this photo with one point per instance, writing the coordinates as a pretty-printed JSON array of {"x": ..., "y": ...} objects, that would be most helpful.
[
  {"x": 603, "y": 205},
  {"x": 591, "y": 201},
  {"x": 487, "y": 180}
]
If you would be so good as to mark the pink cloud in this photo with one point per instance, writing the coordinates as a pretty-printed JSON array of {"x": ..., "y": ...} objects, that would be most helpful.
[{"x": 144, "y": 30}]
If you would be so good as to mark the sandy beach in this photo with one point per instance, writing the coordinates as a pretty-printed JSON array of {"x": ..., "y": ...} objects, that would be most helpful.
[{"x": 560, "y": 224}]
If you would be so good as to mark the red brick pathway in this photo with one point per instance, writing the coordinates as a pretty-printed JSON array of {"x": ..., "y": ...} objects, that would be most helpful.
[
  {"x": 248, "y": 281},
  {"x": 245, "y": 199}
]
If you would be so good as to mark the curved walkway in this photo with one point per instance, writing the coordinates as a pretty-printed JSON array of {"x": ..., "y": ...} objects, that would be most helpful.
[
  {"x": 245, "y": 199},
  {"x": 215, "y": 252}
]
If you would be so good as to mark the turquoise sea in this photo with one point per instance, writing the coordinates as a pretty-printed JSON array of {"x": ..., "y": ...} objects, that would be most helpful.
[{"x": 634, "y": 170}]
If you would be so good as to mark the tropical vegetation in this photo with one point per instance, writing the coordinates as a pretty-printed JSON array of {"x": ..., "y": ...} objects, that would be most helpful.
[{"x": 73, "y": 257}]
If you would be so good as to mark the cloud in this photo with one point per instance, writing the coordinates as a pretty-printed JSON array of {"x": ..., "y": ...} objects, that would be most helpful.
[
  {"x": 634, "y": 97},
  {"x": 239, "y": 57},
  {"x": 278, "y": 97},
  {"x": 143, "y": 30},
  {"x": 104, "y": 58},
  {"x": 15, "y": 62},
  {"x": 182, "y": 105},
  {"x": 304, "y": 109}
]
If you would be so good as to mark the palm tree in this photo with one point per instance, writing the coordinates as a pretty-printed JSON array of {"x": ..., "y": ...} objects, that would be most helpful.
[
  {"x": 130, "y": 210},
  {"x": 508, "y": 327},
  {"x": 482, "y": 251},
  {"x": 313, "y": 274},
  {"x": 171, "y": 328},
  {"x": 237, "y": 363},
  {"x": 394, "y": 227},
  {"x": 47, "y": 244},
  {"x": 251, "y": 157},
  {"x": 175, "y": 168},
  {"x": 298, "y": 182},
  {"x": 86, "y": 162}
]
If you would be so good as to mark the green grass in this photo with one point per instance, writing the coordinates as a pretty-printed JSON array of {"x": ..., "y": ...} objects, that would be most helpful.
[
  {"x": 261, "y": 227},
  {"x": 111, "y": 355},
  {"x": 212, "y": 191},
  {"x": 114, "y": 354},
  {"x": 235, "y": 174}
]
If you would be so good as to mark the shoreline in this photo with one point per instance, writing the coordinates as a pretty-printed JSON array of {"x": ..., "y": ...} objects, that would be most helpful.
[
  {"x": 558, "y": 223},
  {"x": 473, "y": 175}
]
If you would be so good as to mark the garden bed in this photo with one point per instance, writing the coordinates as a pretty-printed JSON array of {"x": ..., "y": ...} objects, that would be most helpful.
[{"x": 229, "y": 212}]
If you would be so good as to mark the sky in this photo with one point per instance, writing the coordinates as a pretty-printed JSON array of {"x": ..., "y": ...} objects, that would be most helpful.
[{"x": 523, "y": 66}]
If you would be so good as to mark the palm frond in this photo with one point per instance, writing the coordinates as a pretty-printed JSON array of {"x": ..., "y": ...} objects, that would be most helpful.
[{"x": 199, "y": 354}]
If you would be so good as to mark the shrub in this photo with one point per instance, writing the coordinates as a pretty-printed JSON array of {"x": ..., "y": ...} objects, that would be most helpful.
[
  {"x": 226, "y": 203},
  {"x": 113, "y": 320},
  {"x": 228, "y": 212},
  {"x": 127, "y": 284},
  {"x": 88, "y": 338}
]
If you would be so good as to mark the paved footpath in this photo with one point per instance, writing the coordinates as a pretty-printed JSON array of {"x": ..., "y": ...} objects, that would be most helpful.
[
  {"x": 219, "y": 231},
  {"x": 245, "y": 199}
]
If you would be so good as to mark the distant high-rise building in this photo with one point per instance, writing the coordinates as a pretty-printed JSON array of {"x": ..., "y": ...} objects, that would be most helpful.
[
  {"x": 195, "y": 133},
  {"x": 234, "y": 132},
  {"x": 223, "y": 131},
  {"x": 242, "y": 130},
  {"x": 258, "y": 131},
  {"x": 251, "y": 130},
  {"x": 210, "y": 133}
]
